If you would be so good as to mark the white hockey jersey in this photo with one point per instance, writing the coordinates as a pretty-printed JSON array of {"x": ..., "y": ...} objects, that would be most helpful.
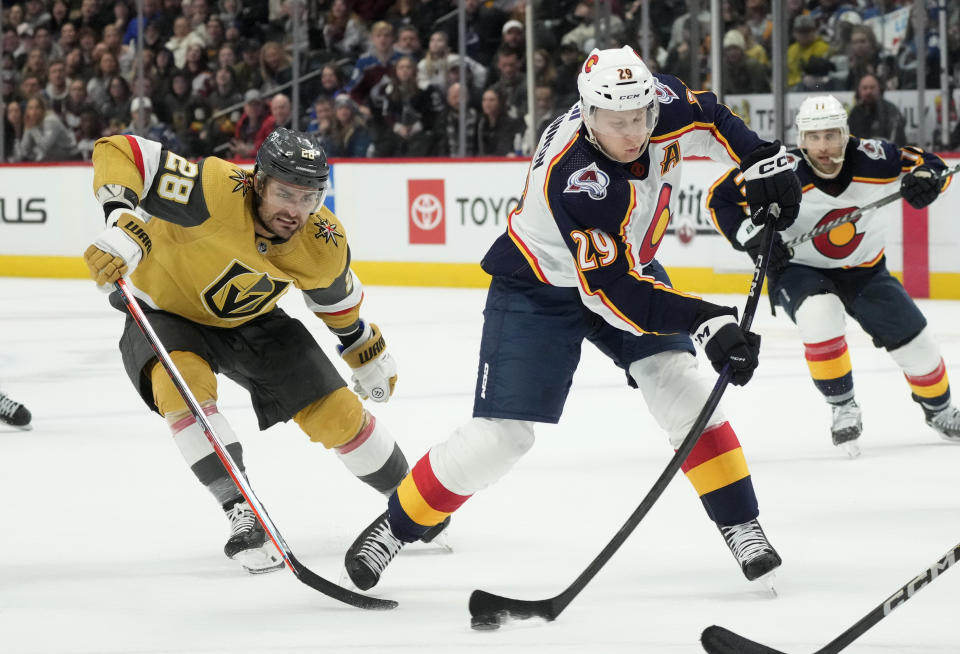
[{"x": 589, "y": 222}]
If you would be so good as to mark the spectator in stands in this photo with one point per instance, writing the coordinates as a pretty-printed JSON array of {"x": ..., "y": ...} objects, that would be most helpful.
[
  {"x": 498, "y": 134},
  {"x": 446, "y": 131},
  {"x": 568, "y": 67},
  {"x": 248, "y": 68},
  {"x": 585, "y": 33},
  {"x": 116, "y": 110},
  {"x": 43, "y": 40},
  {"x": 807, "y": 44},
  {"x": 683, "y": 57},
  {"x": 13, "y": 130},
  {"x": 403, "y": 114},
  {"x": 75, "y": 103},
  {"x": 216, "y": 37},
  {"x": 544, "y": 72},
  {"x": 152, "y": 14},
  {"x": 434, "y": 68},
  {"x": 513, "y": 38},
  {"x": 343, "y": 31},
  {"x": 35, "y": 14},
  {"x": 106, "y": 68},
  {"x": 759, "y": 22},
  {"x": 121, "y": 17},
  {"x": 350, "y": 137},
  {"x": 145, "y": 123},
  {"x": 863, "y": 54},
  {"x": 375, "y": 63},
  {"x": 408, "y": 42},
  {"x": 69, "y": 38},
  {"x": 331, "y": 82},
  {"x": 321, "y": 122},
  {"x": 279, "y": 117},
  {"x": 90, "y": 17},
  {"x": 275, "y": 70},
  {"x": 741, "y": 74},
  {"x": 252, "y": 118},
  {"x": 56, "y": 89},
  {"x": 36, "y": 65},
  {"x": 818, "y": 77},
  {"x": 59, "y": 16},
  {"x": 201, "y": 79},
  {"x": 545, "y": 103},
  {"x": 511, "y": 84},
  {"x": 183, "y": 37},
  {"x": 874, "y": 117},
  {"x": 45, "y": 137},
  {"x": 89, "y": 131},
  {"x": 418, "y": 14},
  {"x": 484, "y": 25},
  {"x": 29, "y": 87},
  {"x": 74, "y": 67}
]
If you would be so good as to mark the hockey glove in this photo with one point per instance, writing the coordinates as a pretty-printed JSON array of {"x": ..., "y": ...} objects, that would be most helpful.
[
  {"x": 374, "y": 370},
  {"x": 780, "y": 254},
  {"x": 724, "y": 342},
  {"x": 920, "y": 187},
  {"x": 118, "y": 250},
  {"x": 769, "y": 178}
]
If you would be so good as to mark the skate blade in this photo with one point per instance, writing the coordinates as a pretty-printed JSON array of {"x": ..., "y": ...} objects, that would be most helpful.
[
  {"x": 260, "y": 560},
  {"x": 767, "y": 583},
  {"x": 852, "y": 448},
  {"x": 441, "y": 541},
  {"x": 346, "y": 582}
]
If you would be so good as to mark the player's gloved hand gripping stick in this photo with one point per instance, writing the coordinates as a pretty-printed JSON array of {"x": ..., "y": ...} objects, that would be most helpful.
[
  {"x": 487, "y": 610},
  {"x": 302, "y": 573}
]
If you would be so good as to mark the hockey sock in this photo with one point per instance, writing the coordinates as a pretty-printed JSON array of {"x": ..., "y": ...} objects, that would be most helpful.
[
  {"x": 718, "y": 471},
  {"x": 374, "y": 457},
  {"x": 925, "y": 372},
  {"x": 200, "y": 456},
  {"x": 830, "y": 368},
  {"x": 421, "y": 502}
]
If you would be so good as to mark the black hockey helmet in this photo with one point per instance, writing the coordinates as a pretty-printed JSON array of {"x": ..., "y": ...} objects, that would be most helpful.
[{"x": 294, "y": 158}]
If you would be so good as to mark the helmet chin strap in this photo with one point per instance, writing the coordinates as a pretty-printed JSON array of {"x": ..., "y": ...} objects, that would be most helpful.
[{"x": 820, "y": 173}]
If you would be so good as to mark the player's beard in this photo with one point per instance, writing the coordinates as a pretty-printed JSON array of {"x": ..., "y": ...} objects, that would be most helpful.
[{"x": 269, "y": 226}]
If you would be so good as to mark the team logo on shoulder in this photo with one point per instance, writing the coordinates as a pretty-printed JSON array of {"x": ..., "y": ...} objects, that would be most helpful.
[
  {"x": 327, "y": 231},
  {"x": 240, "y": 292},
  {"x": 243, "y": 179},
  {"x": 590, "y": 180},
  {"x": 872, "y": 148},
  {"x": 665, "y": 94}
]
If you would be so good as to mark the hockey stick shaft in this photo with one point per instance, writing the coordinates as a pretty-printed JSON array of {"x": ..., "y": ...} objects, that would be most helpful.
[
  {"x": 717, "y": 640},
  {"x": 856, "y": 214},
  {"x": 484, "y": 604},
  {"x": 239, "y": 478}
]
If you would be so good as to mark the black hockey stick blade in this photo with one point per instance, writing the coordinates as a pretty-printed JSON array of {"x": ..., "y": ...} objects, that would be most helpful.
[
  {"x": 717, "y": 640},
  {"x": 339, "y": 593},
  {"x": 487, "y": 611}
]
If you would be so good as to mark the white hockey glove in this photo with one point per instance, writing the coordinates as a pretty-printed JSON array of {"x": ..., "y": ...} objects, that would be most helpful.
[
  {"x": 117, "y": 250},
  {"x": 374, "y": 370}
]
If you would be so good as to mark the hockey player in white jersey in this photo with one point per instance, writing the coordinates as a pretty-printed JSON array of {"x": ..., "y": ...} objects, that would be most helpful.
[
  {"x": 844, "y": 271},
  {"x": 577, "y": 262}
]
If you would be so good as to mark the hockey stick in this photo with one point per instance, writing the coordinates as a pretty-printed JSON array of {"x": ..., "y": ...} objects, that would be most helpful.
[
  {"x": 303, "y": 573},
  {"x": 487, "y": 610},
  {"x": 856, "y": 214},
  {"x": 717, "y": 640}
]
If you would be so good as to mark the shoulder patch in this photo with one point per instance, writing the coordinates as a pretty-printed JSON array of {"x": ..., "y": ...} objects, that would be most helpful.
[
  {"x": 590, "y": 180},
  {"x": 328, "y": 231},
  {"x": 665, "y": 94},
  {"x": 872, "y": 148},
  {"x": 243, "y": 179}
]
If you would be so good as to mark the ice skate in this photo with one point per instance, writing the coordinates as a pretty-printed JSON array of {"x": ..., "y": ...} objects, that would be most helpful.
[
  {"x": 249, "y": 544},
  {"x": 371, "y": 553},
  {"x": 946, "y": 422},
  {"x": 753, "y": 551},
  {"x": 14, "y": 414},
  {"x": 438, "y": 535},
  {"x": 847, "y": 427}
]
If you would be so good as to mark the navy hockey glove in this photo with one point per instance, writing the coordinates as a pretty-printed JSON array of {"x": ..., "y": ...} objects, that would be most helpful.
[
  {"x": 920, "y": 187},
  {"x": 769, "y": 178},
  {"x": 724, "y": 342},
  {"x": 780, "y": 255}
]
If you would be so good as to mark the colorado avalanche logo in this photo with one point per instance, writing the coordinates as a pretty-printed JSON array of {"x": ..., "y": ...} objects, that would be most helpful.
[
  {"x": 590, "y": 180},
  {"x": 872, "y": 148},
  {"x": 590, "y": 63},
  {"x": 665, "y": 94}
]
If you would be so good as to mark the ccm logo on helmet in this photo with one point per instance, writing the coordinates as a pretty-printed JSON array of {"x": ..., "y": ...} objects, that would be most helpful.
[{"x": 590, "y": 62}]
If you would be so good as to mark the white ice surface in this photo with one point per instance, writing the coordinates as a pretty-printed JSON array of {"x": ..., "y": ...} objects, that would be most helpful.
[{"x": 110, "y": 545}]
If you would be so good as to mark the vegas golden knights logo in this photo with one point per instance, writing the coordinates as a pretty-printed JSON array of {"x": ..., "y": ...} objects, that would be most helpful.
[{"x": 240, "y": 292}]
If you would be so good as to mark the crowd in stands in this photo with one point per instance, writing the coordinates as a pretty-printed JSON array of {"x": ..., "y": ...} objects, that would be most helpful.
[{"x": 383, "y": 76}]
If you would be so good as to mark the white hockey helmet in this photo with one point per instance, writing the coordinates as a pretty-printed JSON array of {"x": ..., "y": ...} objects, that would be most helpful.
[
  {"x": 821, "y": 112},
  {"x": 617, "y": 80}
]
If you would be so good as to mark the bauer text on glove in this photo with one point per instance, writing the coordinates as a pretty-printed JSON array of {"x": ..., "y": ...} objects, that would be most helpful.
[{"x": 374, "y": 370}]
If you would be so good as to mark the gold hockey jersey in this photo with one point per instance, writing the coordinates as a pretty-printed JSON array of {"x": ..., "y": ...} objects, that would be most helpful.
[{"x": 205, "y": 261}]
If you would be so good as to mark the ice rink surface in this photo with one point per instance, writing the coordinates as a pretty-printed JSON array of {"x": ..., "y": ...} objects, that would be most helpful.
[{"x": 110, "y": 545}]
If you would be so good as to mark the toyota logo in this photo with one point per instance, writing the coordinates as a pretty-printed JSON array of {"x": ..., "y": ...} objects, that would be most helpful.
[{"x": 426, "y": 211}]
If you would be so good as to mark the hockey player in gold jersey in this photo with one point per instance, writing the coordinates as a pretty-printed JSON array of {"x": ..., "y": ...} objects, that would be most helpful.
[{"x": 209, "y": 248}]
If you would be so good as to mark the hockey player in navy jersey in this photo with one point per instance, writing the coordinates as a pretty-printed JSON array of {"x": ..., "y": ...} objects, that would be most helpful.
[
  {"x": 578, "y": 262},
  {"x": 844, "y": 270}
]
